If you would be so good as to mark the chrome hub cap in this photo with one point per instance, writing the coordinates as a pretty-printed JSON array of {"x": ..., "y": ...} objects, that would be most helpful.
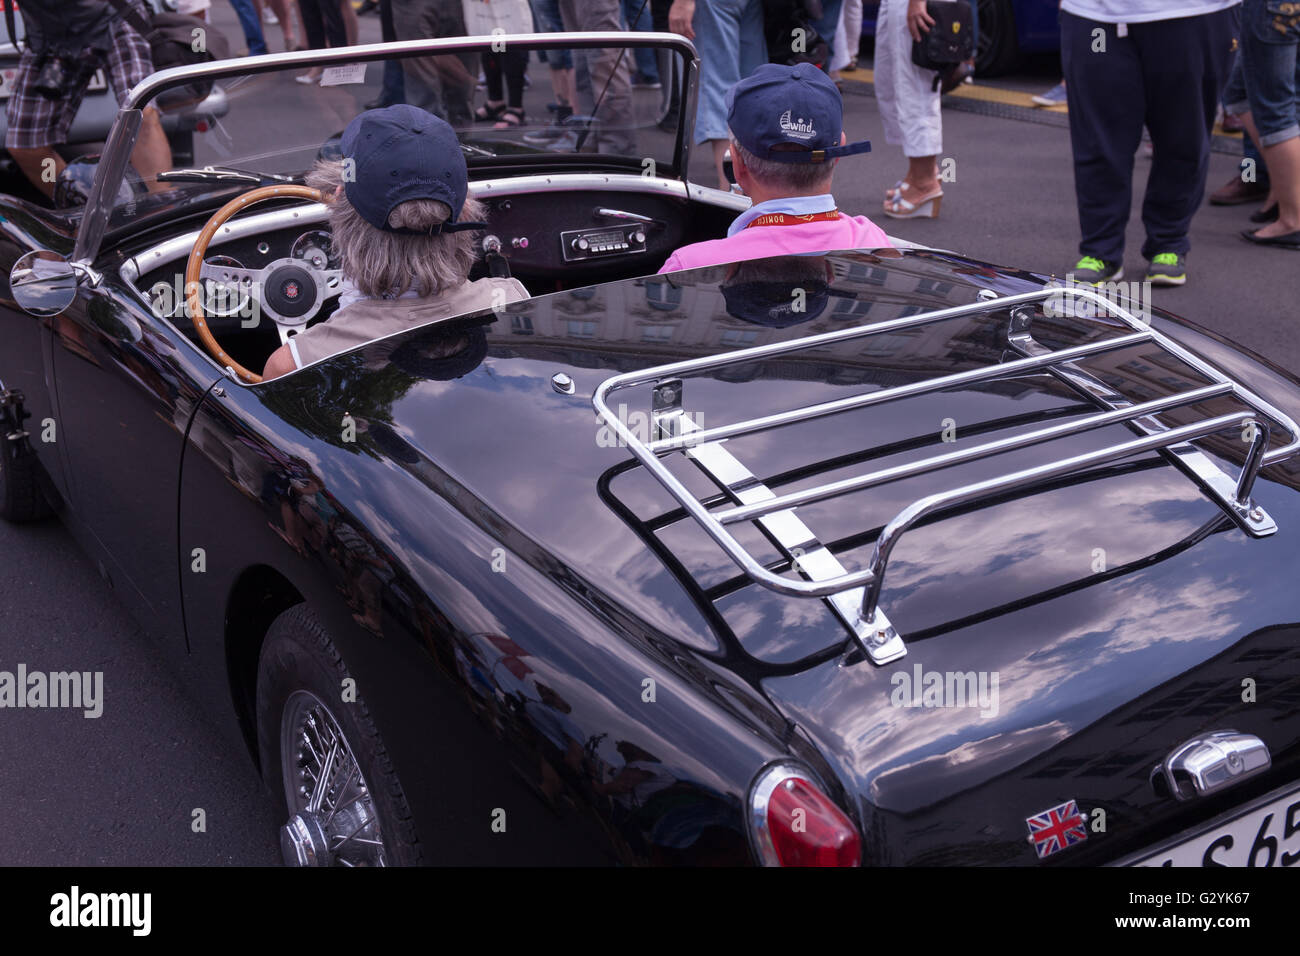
[{"x": 332, "y": 816}]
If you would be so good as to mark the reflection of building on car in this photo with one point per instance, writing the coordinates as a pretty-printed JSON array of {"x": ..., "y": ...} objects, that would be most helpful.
[{"x": 673, "y": 643}]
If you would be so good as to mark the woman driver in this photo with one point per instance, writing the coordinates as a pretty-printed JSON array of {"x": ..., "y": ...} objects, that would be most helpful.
[{"x": 401, "y": 220}]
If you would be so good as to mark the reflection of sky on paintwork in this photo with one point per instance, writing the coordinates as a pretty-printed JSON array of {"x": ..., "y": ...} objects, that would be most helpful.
[
  {"x": 939, "y": 572},
  {"x": 547, "y": 487},
  {"x": 547, "y": 484},
  {"x": 1061, "y": 667}
]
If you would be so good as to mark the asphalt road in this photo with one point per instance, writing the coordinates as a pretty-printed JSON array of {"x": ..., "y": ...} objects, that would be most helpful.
[
  {"x": 123, "y": 788},
  {"x": 120, "y": 788}
]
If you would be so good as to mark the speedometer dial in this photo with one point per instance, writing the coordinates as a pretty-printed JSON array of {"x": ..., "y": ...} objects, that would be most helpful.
[
  {"x": 316, "y": 248},
  {"x": 225, "y": 295}
]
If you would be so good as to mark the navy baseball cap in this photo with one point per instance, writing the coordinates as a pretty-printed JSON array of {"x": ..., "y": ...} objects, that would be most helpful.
[
  {"x": 403, "y": 153},
  {"x": 799, "y": 105}
]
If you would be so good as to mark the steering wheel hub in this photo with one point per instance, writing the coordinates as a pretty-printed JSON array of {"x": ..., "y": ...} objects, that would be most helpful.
[{"x": 290, "y": 291}]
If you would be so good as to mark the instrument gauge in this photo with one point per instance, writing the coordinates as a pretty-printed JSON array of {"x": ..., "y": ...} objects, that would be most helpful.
[
  {"x": 316, "y": 248},
  {"x": 225, "y": 295},
  {"x": 166, "y": 300}
]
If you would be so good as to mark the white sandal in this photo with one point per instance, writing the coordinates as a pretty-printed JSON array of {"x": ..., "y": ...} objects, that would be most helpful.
[{"x": 925, "y": 208}]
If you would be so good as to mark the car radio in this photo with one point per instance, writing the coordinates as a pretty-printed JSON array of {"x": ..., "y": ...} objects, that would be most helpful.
[{"x": 579, "y": 244}]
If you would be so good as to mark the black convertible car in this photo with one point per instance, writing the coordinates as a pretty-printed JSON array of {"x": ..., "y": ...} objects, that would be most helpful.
[{"x": 879, "y": 557}]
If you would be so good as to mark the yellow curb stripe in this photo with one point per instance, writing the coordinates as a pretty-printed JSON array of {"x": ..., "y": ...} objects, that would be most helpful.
[
  {"x": 993, "y": 94},
  {"x": 970, "y": 91}
]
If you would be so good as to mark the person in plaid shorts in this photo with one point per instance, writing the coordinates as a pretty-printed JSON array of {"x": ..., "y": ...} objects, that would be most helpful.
[{"x": 77, "y": 30}]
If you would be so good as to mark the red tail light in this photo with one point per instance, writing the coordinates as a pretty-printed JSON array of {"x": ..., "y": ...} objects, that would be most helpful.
[{"x": 793, "y": 823}]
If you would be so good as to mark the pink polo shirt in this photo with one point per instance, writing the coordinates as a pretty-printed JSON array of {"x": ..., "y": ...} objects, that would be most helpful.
[{"x": 757, "y": 242}]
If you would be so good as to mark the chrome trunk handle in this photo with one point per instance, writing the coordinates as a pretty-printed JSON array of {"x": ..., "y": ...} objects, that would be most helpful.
[{"x": 1214, "y": 762}]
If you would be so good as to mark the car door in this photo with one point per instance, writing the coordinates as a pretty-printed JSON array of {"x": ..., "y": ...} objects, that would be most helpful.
[
  {"x": 25, "y": 374},
  {"x": 127, "y": 385}
]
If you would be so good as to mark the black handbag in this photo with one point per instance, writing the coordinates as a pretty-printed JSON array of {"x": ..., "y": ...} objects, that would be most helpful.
[
  {"x": 781, "y": 18},
  {"x": 171, "y": 43},
  {"x": 949, "y": 42}
]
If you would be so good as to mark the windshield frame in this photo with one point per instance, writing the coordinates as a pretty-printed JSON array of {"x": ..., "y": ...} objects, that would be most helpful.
[{"x": 121, "y": 139}]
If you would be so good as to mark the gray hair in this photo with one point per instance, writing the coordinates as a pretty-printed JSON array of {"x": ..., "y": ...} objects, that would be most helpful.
[
  {"x": 785, "y": 177},
  {"x": 385, "y": 263}
]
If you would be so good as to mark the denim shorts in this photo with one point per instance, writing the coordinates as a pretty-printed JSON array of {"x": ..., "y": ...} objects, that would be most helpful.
[
  {"x": 1270, "y": 37},
  {"x": 546, "y": 16},
  {"x": 730, "y": 43}
]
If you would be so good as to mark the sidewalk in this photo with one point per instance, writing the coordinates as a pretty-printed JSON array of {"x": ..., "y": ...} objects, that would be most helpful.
[{"x": 1007, "y": 97}]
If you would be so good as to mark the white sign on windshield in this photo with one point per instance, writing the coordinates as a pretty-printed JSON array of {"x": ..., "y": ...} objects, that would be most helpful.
[{"x": 343, "y": 75}]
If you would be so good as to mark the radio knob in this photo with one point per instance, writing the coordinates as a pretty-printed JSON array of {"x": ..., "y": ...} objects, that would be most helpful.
[
  {"x": 638, "y": 236},
  {"x": 581, "y": 243}
]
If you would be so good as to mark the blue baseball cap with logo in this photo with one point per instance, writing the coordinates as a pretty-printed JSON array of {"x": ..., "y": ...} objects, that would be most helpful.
[
  {"x": 786, "y": 106},
  {"x": 402, "y": 153}
]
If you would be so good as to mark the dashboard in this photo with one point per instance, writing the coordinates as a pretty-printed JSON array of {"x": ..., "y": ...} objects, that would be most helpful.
[
  {"x": 549, "y": 232},
  {"x": 227, "y": 296}
]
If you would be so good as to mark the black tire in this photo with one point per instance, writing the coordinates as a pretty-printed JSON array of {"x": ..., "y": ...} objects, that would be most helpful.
[
  {"x": 298, "y": 656},
  {"x": 21, "y": 498},
  {"x": 998, "y": 51}
]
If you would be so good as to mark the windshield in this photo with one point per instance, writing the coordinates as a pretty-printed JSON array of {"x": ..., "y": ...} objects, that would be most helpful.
[{"x": 275, "y": 115}]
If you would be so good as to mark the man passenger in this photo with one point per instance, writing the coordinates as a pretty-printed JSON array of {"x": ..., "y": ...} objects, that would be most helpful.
[{"x": 786, "y": 129}]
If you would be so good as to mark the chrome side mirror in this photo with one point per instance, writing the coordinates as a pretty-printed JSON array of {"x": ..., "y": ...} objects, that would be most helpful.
[{"x": 43, "y": 283}]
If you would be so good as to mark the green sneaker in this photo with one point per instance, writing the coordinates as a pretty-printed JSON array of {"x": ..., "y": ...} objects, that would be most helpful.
[
  {"x": 1090, "y": 270},
  {"x": 1167, "y": 268}
]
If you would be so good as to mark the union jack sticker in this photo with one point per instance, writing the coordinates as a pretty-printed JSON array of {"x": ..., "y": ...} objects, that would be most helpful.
[{"x": 1053, "y": 830}]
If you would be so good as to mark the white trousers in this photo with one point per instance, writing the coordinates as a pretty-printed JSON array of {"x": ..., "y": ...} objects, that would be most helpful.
[
  {"x": 909, "y": 110},
  {"x": 848, "y": 35}
]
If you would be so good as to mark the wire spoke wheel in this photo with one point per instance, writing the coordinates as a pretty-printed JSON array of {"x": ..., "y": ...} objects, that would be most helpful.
[{"x": 332, "y": 817}]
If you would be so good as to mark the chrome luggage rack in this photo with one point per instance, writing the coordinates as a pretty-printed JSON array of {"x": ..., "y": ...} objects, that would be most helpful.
[{"x": 854, "y": 596}]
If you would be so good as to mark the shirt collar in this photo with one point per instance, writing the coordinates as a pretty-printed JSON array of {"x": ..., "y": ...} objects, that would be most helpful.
[
  {"x": 792, "y": 205},
  {"x": 349, "y": 293}
]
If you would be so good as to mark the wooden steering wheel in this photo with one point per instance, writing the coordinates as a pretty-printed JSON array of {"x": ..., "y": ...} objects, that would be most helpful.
[{"x": 288, "y": 290}]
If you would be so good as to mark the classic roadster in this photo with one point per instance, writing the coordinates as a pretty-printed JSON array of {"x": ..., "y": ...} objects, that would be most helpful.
[{"x": 879, "y": 557}]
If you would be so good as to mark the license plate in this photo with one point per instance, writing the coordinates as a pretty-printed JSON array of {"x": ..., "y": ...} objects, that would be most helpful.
[
  {"x": 1264, "y": 833},
  {"x": 9, "y": 73}
]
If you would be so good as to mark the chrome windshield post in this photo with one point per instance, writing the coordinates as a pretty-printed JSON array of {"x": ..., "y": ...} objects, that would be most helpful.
[{"x": 108, "y": 177}]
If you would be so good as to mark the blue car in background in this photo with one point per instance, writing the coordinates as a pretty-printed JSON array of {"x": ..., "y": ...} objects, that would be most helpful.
[{"x": 1007, "y": 30}]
